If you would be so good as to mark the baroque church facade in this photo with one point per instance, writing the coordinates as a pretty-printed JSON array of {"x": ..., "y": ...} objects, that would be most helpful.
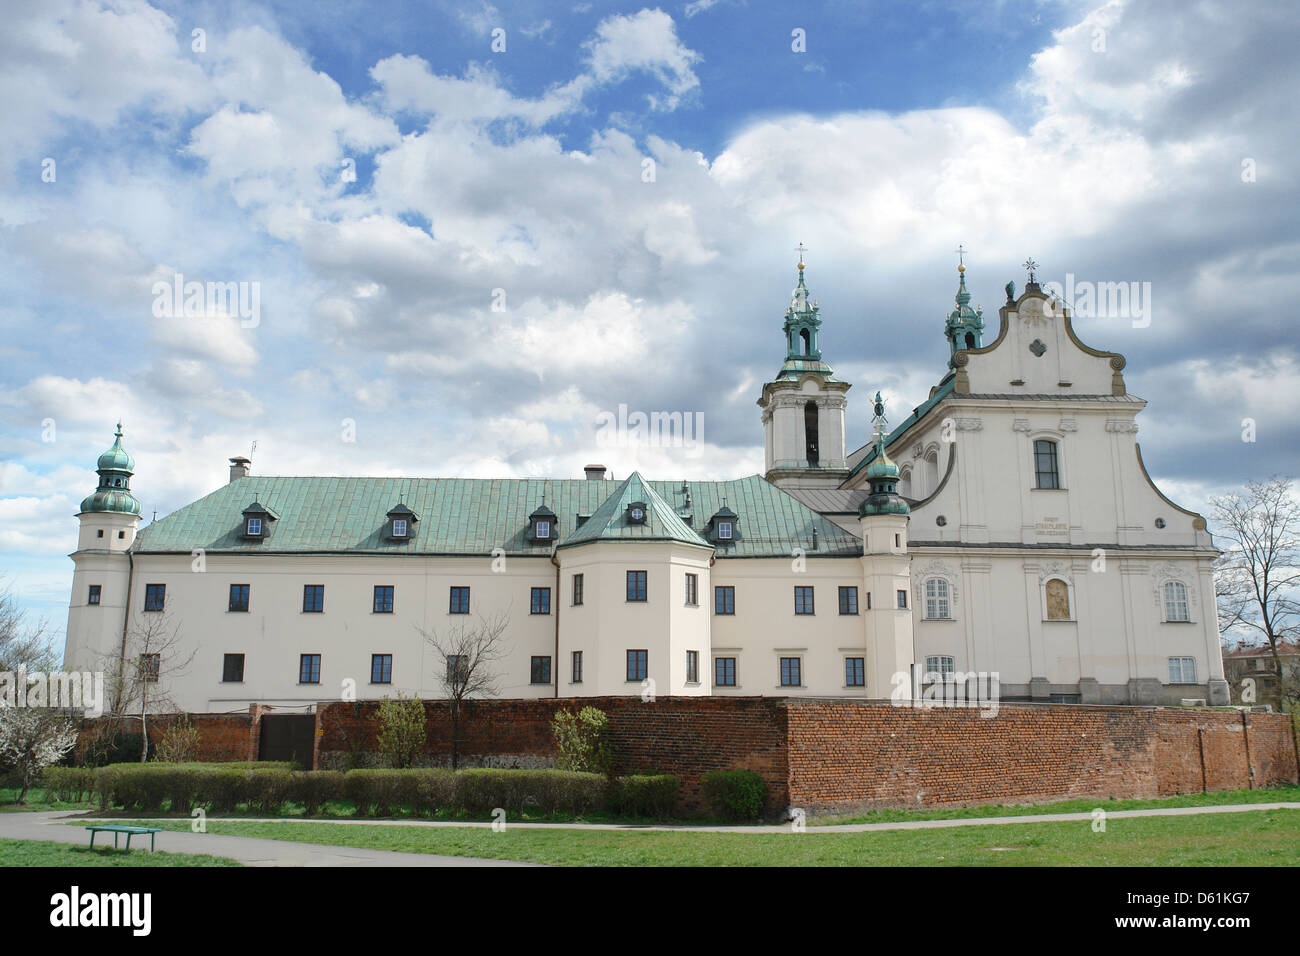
[{"x": 1004, "y": 537}]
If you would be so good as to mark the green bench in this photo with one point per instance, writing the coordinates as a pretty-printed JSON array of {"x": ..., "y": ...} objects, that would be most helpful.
[{"x": 116, "y": 828}]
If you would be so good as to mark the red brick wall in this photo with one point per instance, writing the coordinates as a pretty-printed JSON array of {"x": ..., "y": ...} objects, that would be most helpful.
[
  {"x": 853, "y": 754},
  {"x": 221, "y": 736}
]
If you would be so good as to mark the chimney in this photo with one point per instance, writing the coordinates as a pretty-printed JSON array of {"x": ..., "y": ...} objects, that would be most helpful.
[
  {"x": 240, "y": 467},
  {"x": 594, "y": 472}
]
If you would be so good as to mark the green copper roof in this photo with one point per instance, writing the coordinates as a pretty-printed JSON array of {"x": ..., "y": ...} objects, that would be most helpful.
[
  {"x": 942, "y": 392},
  {"x": 610, "y": 520},
  {"x": 114, "y": 492},
  {"x": 116, "y": 458},
  {"x": 467, "y": 516}
]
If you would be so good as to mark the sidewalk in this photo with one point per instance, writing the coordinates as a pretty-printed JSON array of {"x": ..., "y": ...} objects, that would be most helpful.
[
  {"x": 775, "y": 828},
  {"x": 250, "y": 851}
]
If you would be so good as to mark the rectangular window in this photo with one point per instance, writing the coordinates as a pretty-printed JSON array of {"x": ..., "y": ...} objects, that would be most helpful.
[
  {"x": 457, "y": 669},
  {"x": 936, "y": 599},
  {"x": 254, "y": 527},
  {"x": 692, "y": 667},
  {"x": 636, "y": 586},
  {"x": 309, "y": 669},
  {"x": 93, "y": 596},
  {"x": 155, "y": 597},
  {"x": 381, "y": 668},
  {"x": 399, "y": 527},
  {"x": 577, "y": 668},
  {"x": 692, "y": 589},
  {"x": 541, "y": 601},
  {"x": 313, "y": 598},
  {"x": 543, "y": 529},
  {"x": 383, "y": 599},
  {"x": 239, "y": 597},
  {"x": 577, "y": 589},
  {"x": 458, "y": 603},
  {"x": 1182, "y": 670},
  {"x": 232, "y": 669},
  {"x": 1046, "y": 471},
  {"x": 540, "y": 670},
  {"x": 790, "y": 672},
  {"x": 724, "y": 671},
  {"x": 849, "y": 600},
  {"x": 803, "y": 600},
  {"x": 724, "y": 600},
  {"x": 724, "y": 530},
  {"x": 150, "y": 665},
  {"x": 902, "y": 598},
  {"x": 855, "y": 673},
  {"x": 636, "y": 665},
  {"x": 939, "y": 668}
]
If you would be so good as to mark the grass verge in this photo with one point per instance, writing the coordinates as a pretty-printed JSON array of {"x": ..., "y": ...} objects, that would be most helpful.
[{"x": 46, "y": 853}]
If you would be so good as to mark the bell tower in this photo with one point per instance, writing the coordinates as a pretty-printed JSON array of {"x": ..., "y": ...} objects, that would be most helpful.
[
  {"x": 964, "y": 326},
  {"x": 101, "y": 578},
  {"x": 803, "y": 407}
]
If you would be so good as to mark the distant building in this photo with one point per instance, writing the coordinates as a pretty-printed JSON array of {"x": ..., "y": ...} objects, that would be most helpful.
[
  {"x": 1006, "y": 526},
  {"x": 1255, "y": 662}
]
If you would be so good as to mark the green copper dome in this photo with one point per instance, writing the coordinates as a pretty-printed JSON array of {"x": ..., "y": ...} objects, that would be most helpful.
[
  {"x": 883, "y": 475},
  {"x": 115, "y": 468}
]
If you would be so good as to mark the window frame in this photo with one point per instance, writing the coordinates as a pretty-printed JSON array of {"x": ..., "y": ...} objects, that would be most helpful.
[
  {"x": 946, "y": 672},
  {"x": 252, "y": 527},
  {"x": 638, "y": 586},
  {"x": 942, "y": 603},
  {"x": 385, "y": 662},
  {"x": 309, "y": 665},
  {"x": 1056, "y": 473},
  {"x": 805, "y": 604},
  {"x": 575, "y": 667},
  {"x": 639, "y": 664},
  {"x": 855, "y": 667},
  {"x": 901, "y": 599},
  {"x": 245, "y": 595},
  {"x": 318, "y": 593},
  {"x": 692, "y": 667},
  {"x": 226, "y": 661},
  {"x": 728, "y": 669},
  {"x": 401, "y": 529},
  {"x": 1186, "y": 602},
  {"x": 725, "y": 530},
  {"x": 1183, "y": 661},
  {"x": 848, "y": 600},
  {"x": 791, "y": 667},
  {"x": 454, "y": 593},
  {"x": 692, "y": 589},
  {"x": 539, "y": 601},
  {"x": 150, "y": 668},
  {"x": 389, "y": 602},
  {"x": 727, "y": 594},
  {"x": 94, "y": 595},
  {"x": 155, "y": 598},
  {"x": 539, "y": 670},
  {"x": 577, "y": 593}
]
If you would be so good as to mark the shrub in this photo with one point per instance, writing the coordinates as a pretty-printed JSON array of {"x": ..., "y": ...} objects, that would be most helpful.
[
  {"x": 479, "y": 792},
  {"x": 179, "y": 743},
  {"x": 645, "y": 795},
  {"x": 139, "y": 786},
  {"x": 435, "y": 790},
  {"x": 314, "y": 788},
  {"x": 581, "y": 740},
  {"x": 222, "y": 789},
  {"x": 182, "y": 787},
  {"x": 402, "y": 736},
  {"x": 72, "y": 784},
  {"x": 735, "y": 794},
  {"x": 266, "y": 790}
]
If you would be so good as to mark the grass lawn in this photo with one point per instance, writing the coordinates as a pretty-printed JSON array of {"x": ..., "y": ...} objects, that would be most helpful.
[
  {"x": 44, "y": 853},
  {"x": 1286, "y": 794},
  {"x": 1253, "y": 838}
]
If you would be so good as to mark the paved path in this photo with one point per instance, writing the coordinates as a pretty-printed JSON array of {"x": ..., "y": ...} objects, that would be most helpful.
[
  {"x": 786, "y": 828},
  {"x": 251, "y": 851}
]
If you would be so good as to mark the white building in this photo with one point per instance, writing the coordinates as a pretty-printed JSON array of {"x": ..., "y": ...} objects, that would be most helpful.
[{"x": 1007, "y": 526}]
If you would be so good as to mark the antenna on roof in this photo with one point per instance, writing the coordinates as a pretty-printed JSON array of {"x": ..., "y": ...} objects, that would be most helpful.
[{"x": 252, "y": 448}]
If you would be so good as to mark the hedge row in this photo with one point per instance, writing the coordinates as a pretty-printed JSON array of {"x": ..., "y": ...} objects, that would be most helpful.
[{"x": 265, "y": 788}]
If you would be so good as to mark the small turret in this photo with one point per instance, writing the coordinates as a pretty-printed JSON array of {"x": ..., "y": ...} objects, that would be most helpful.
[
  {"x": 964, "y": 326},
  {"x": 882, "y": 474},
  {"x": 115, "y": 468}
]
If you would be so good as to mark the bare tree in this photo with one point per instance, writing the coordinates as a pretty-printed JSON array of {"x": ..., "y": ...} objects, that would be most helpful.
[
  {"x": 22, "y": 643},
  {"x": 465, "y": 665},
  {"x": 1257, "y": 575},
  {"x": 138, "y": 679}
]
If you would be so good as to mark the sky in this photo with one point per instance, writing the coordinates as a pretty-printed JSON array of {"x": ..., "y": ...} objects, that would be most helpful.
[{"x": 467, "y": 233}]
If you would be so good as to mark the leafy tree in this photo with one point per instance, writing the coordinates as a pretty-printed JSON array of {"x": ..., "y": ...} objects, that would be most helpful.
[
  {"x": 401, "y": 729},
  {"x": 581, "y": 740},
  {"x": 33, "y": 738}
]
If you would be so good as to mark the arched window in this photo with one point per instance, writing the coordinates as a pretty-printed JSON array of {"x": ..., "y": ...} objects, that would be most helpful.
[
  {"x": 931, "y": 469},
  {"x": 937, "y": 605},
  {"x": 810, "y": 431},
  {"x": 970, "y": 340},
  {"x": 905, "y": 481},
  {"x": 1047, "y": 471},
  {"x": 806, "y": 337},
  {"x": 1056, "y": 598},
  {"x": 1176, "y": 601}
]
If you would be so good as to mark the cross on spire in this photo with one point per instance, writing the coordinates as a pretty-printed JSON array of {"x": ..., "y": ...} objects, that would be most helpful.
[
  {"x": 961, "y": 254},
  {"x": 1029, "y": 265},
  {"x": 801, "y": 249}
]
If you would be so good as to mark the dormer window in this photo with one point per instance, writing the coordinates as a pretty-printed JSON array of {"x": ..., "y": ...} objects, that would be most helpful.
[
  {"x": 257, "y": 521},
  {"x": 401, "y": 523},
  {"x": 722, "y": 526},
  {"x": 542, "y": 526},
  {"x": 636, "y": 512}
]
